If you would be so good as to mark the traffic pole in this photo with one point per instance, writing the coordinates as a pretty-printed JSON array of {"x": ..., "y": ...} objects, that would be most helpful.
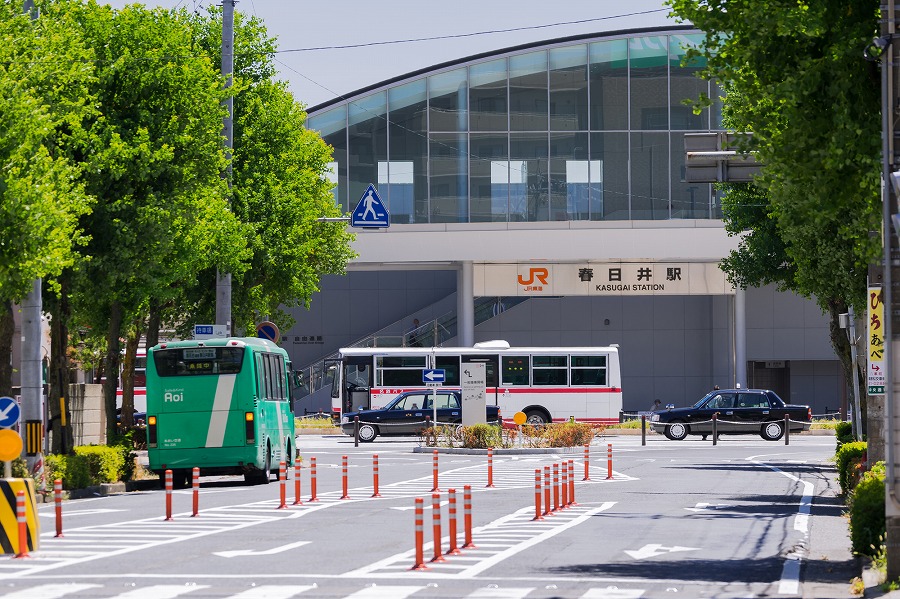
[
  {"x": 643, "y": 429},
  {"x": 312, "y": 479},
  {"x": 23, "y": 525},
  {"x": 453, "y": 550},
  {"x": 787, "y": 429},
  {"x": 490, "y": 482},
  {"x": 609, "y": 461},
  {"x": 715, "y": 428},
  {"x": 572, "y": 482},
  {"x": 555, "y": 487},
  {"x": 297, "y": 481},
  {"x": 547, "y": 511},
  {"x": 57, "y": 499},
  {"x": 587, "y": 462},
  {"x": 282, "y": 480},
  {"x": 434, "y": 471},
  {"x": 375, "y": 475},
  {"x": 168, "y": 494},
  {"x": 537, "y": 495},
  {"x": 564, "y": 491},
  {"x": 467, "y": 516},
  {"x": 420, "y": 536},
  {"x": 436, "y": 526},
  {"x": 344, "y": 477},
  {"x": 195, "y": 487}
]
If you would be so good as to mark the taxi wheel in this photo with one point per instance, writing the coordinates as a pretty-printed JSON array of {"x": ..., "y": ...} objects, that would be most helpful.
[
  {"x": 367, "y": 433},
  {"x": 676, "y": 431},
  {"x": 772, "y": 431}
]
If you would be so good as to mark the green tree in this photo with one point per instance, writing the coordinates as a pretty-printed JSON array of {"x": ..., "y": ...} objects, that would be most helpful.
[
  {"x": 44, "y": 98},
  {"x": 797, "y": 80},
  {"x": 154, "y": 163}
]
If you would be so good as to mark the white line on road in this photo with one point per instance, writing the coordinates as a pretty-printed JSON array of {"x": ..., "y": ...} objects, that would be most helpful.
[{"x": 50, "y": 591}]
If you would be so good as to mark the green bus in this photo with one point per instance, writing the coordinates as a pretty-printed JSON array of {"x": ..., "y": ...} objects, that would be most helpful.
[{"x": 222, "y": 405}]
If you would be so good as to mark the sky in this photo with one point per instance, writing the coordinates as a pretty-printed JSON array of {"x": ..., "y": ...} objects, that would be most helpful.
[{"x": 319, "y": 75}]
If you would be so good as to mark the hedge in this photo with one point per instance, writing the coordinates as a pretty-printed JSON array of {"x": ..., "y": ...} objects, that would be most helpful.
[
  {"x": 849, "y": 460},
  {"x": 867, "y": 522}
]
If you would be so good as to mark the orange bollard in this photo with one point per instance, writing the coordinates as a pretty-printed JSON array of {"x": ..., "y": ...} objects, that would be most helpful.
[
  {"x": 587, "y": 461},
  {"x": 467, "y": 516},
  {"x": 564, "y": 491},
  {"x": 57, "y": 499},
  {"x": 168, "y": 494},
  {"x": 375, "y": 474},
  {"x": 609, "y": 461},
  {"x": 346, "y": 495},
  {"x": 537, "y": 495},
  {"x": 195, "y": 486},
  {"x": 23, "y": 525},
  {"x": 282, "y": 481},
  {"x": 436, "y": 526},
  {"x": 453, "y": 550},
  {"x": 312, "y": 479},
  {"x": 572, "y": 482},
  {"x": 434, "y": 472},
  {"x": 297, "y": 467},
  {"x": 555, "y": 487},
  {"x": 547, "y": 511},
  {"x": 420, "y": 536},
  {"x": 490, "y": 483}
]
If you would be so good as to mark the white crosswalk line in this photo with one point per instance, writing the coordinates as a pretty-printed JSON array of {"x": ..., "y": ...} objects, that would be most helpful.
[
  {"x": 499, "y": 593},
  {"x": 160, "y": 591},
  {"x": 49, "y": 591},
  {"x": 384, "y": 592},
  {"x": 612, "y": 593},
  {"x": 271, "y": 591}
]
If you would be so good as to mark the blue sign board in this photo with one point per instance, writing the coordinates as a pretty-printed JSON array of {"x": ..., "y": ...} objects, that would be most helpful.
[
  {"x": 203, "y": 329},
  {"x": 9, "y": 412},
  {"x": 371, "y": 211},
  {"x": 268, "y": 330},
  {"x": 433, "y": 375}
]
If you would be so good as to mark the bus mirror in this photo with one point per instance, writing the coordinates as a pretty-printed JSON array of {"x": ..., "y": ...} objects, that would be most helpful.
[{"x": 298, "y": 378}]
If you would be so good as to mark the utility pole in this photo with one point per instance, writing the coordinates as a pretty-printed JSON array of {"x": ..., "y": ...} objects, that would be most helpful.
[
  {"x": 886, "y": 433},
  {"x": 223, "y": 280},
  {"x": 32, "y": 383}
]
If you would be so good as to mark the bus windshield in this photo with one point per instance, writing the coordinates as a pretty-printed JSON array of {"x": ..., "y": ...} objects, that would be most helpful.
[{"x": 190, "y": 361}]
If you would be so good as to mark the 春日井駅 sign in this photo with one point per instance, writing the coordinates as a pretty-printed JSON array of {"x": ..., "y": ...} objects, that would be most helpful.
[
  {"x": 875, "y": 353},
  {"x": 600, "y": 279}
]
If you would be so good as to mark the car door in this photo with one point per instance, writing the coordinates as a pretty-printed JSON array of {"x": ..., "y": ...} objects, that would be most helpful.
[
  {"x": 448, "y": 408},
  {"x": 720, "y": 404},
  {"x": 411, "y": 418},
  {"x": 753, "y": 408}
]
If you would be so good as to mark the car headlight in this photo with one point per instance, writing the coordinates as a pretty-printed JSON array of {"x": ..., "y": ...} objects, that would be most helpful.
[
  {"x": 345, "y": 420},
  {"x": 654, "y": 418}
]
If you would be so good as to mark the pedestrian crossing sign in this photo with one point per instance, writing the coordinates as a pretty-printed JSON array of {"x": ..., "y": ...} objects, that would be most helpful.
[{"x": 371, "y": 211}]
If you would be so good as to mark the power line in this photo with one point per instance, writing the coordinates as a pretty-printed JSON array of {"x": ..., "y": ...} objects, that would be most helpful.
[{"x": 461, "y": 35}]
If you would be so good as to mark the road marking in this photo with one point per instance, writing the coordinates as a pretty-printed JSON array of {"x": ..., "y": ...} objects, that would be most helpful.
[
  {"x": 50, "y": 591},
  {"x": 273, "y": 551},
  {"x": 385, "y": 592},
  {"x": 160, "y": 591},
  {"x": 702, "y": 507},
  {"x": 271, "y": 591},
  {"x": 653, "y": 549},
  {"x": 50, "y": 514},
  {"x": 494, "y": 592},
  {"x": 613, "y": 593}
]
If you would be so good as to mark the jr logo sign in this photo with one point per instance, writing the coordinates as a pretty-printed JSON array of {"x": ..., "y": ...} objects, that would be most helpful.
[{"x": 535, "y": 273}]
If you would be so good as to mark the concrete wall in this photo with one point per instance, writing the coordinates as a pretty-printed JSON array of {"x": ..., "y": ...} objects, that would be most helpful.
[{"x": 88, "y": 414}]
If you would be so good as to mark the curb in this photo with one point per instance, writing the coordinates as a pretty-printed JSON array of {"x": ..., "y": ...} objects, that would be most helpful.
[{"x": 501, "y": 451}]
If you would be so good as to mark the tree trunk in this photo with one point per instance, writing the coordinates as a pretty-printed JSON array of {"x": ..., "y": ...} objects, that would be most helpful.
[
  {"x": 58, "y": 394},
  {"x": 111, "y": 368},
  {"x": 153, "y": 324},
  {"x": 7, "y": 331},
  {"x": 131, "y": 345}
]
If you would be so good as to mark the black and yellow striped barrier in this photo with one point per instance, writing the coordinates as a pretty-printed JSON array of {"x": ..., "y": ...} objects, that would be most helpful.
[{"x": 9, "y": 524}]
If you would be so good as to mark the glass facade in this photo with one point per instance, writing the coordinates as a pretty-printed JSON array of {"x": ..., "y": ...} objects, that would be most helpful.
[{"x": 589, "y": 130}]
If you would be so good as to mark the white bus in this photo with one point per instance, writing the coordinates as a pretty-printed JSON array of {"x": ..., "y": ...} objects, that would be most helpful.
[{"x": 548, "y": 384}]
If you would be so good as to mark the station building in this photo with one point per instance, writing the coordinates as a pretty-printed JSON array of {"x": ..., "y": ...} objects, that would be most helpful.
[{"x": 537, "y": 195}]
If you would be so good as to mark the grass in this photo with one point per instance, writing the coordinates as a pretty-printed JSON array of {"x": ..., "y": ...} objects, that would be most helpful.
[
  {"x": 313, "y": 423},
  {"x": 824, "y": 424}
]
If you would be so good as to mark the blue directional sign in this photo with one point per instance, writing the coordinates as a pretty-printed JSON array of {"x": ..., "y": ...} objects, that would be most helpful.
[
  {"x": 9, "y": 412},
  {"x": 371, "y": 211},
  {"x": 433, "y": 375}
]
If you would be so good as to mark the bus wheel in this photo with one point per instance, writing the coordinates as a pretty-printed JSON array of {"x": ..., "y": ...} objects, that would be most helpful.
[{"x": 534, "y": 417}]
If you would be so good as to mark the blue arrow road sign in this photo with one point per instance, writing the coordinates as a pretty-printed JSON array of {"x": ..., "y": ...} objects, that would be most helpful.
[
  {"x": 433, "y": 375},
  {"x": 9, "y": 412},
  {"x": 370, "y": 212}
]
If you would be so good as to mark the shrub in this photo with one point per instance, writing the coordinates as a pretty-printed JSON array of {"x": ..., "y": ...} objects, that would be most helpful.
[
  {"x": 568, "y": 434},
  {"x": 481, "y": 436},
  {"x": 843, "y": 433},
  {"x": 849, "y": 460},
  {"x": 867, "y": 522},
  {"x": 54, "y": 467}
]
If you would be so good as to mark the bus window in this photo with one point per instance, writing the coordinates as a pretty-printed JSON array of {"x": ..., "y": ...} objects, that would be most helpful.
[
  {"x": 515, "y": 370},
  {"x": 450, "y": 366},
  {"x": 399, "y": 371},
  {"x": 198, "y": 360},
  {"x": 550, "y": 370},
  {"x": 588, "y": 370}
]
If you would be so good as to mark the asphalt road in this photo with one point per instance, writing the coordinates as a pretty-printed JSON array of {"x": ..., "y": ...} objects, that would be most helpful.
[{"x": 744, "y": 518}]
